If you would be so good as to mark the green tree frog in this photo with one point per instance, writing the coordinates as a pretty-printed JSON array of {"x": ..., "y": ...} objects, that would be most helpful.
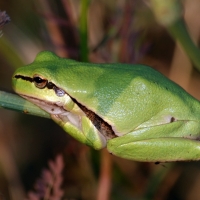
[{"x": 132, "y": 110}]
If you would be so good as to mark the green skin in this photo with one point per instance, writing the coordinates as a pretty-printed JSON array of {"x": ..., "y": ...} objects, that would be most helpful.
[{"x": 149, "y": 117}]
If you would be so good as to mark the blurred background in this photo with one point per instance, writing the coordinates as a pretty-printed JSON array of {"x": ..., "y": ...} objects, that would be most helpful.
[{"x": 38, "y": 160}]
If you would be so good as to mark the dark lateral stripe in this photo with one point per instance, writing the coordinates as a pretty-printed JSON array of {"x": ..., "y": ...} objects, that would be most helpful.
[
  {"x": 26, "y": 78},
  {"x": 104, "y": 128},
  {"x": 49, "y": 85}
]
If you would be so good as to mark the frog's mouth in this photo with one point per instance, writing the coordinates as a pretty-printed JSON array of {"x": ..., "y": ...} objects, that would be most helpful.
[{"x": 57, "y": 109}]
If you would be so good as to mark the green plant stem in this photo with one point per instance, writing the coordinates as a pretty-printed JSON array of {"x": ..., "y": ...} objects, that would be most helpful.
[
  {"x": 169, "y": 14},
  {"x": 84, "y": 31},
  {"x": 180, "y": 33},
  {"x": 15, "y": 102}
]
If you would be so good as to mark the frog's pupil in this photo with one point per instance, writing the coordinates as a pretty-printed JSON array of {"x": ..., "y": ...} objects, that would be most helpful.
[{"x": 38, "y": 80}]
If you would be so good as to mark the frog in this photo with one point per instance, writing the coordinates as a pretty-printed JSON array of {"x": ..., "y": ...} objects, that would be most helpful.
[{"x": 133, "y": 110}]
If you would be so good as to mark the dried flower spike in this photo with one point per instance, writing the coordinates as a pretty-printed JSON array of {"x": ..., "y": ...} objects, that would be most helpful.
[
  {"x": 48, "y": 187},
  {"x": 4, "y": 18}
]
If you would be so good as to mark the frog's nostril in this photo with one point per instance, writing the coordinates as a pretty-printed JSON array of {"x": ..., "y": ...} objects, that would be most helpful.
[{"x": 172, "y": 119}]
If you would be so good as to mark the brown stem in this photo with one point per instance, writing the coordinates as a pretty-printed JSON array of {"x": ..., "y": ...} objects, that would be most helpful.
[{"x": 104, "y": 186}]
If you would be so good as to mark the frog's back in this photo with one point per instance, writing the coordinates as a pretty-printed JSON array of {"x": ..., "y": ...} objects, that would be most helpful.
[
  {"x": 115, "y": 91},
  {"x": 137, "y": 92}
]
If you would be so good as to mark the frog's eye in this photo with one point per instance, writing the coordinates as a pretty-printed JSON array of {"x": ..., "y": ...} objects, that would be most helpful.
[{"x": 39, "y": 81}]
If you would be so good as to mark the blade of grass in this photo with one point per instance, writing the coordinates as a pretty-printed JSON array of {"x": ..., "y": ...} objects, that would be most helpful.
[
  {"x": 15, "y": 102},
  {"x": 84, "y": 31}
]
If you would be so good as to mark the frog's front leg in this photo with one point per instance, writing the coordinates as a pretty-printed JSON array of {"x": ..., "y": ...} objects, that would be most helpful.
[
  {"x": 82, "y": 130},
  {"x": 150, "y": 145}
]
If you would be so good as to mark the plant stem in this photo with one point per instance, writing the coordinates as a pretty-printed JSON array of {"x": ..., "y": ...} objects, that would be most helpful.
[
  {"x": 169, "y": 14},
  {"x": 180, "y": 33},
  {"x": 84, "y": 31},
  {"x": 15, "y": 102}
]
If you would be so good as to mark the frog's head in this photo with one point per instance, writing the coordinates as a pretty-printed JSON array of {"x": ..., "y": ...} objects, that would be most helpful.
[{"x": 37, "y": 82}]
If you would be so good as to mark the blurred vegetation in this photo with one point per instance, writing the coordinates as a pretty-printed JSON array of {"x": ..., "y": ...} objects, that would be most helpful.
[{"x": 116, "y": 31}]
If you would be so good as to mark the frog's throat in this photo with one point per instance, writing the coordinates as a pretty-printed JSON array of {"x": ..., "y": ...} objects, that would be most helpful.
[{"x": 56, "y": 109}]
